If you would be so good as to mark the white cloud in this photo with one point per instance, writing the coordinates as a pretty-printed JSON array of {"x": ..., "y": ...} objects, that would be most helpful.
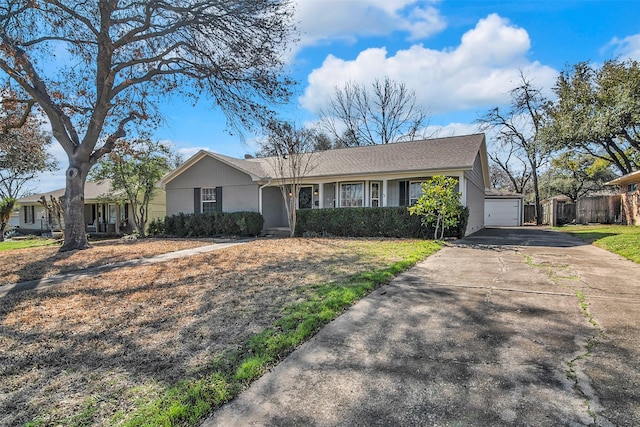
[
  {"x": 627, "y": 48},
  {"x": 479, "y": 72},
  {"x": 451, "y": 129},
  {"x": 321, "y": 21}
]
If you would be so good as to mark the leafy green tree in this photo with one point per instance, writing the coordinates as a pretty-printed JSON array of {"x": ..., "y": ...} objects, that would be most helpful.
[
  {"x": 598, "y": 113},
  {"x": 576, "y": 175},
  {"x": 439, "y": 205},
  {"x": 134, "y": 168},
  {"x": 518, "y": 133},
  {"x": 97, "y": 68},
  {"x": 6, "y": 209}
]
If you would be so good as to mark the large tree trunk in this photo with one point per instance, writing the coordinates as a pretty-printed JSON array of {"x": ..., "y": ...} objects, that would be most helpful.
[
  {"x": 3, "y": 226},
  {"x": 75, "y": 236},
  {"x": 536, "y": 191}
]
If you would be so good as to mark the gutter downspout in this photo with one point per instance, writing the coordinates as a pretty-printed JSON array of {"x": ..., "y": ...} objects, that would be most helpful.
[{"x": 260, "y": 195}]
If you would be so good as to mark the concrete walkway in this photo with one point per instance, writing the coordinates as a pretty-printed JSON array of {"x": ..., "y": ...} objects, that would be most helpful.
[
  {"x": 507, "y": 327},
  {"x": 88, "y": 272}
]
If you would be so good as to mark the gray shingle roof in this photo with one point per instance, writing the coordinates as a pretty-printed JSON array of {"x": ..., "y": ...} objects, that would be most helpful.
[
  {"x": 456, "y": 152},
  {"x": 92, "y": 191}
]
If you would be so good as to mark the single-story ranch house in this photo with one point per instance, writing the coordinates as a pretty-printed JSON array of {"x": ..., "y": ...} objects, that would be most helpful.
[
  {"x": 368, "y": 176},
  {"x": 630, "y": 193},
  {"x": 101, "y": 215}
]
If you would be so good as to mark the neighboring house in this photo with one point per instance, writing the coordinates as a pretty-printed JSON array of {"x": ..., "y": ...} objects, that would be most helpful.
[
  {"x": 629, "y": 184},
  {"x": 14, "y": 221},
  {"x": 369, "y": 176},
  {"x": 503, "y": 209},
  {"x": 100, "y": 214}
]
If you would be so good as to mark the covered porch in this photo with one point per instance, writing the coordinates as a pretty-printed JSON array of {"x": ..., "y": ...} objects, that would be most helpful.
[
  {"x": 106, "y": 218},
  {"x": 366, "y": 192}
]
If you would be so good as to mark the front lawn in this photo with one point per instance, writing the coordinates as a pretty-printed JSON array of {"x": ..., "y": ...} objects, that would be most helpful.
[
  {"x": 8, "y": 245},
  {"x": 165, "y": 344},
  {"x": 619, "y": 239}
]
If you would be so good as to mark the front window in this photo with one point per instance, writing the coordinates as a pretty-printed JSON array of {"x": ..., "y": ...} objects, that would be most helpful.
[
  {"x": 352, "y": 195},
  {"x": 631, "y": 188},
  {"x": 208, "y": 199},
  {"x": 415, "y": 191},
  {"x": 29, "y": 214},
  {"x": 375, "y": 194}
]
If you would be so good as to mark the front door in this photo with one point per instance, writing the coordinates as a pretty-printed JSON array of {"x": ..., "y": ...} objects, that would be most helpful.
[{"x": 305, "y": 198}]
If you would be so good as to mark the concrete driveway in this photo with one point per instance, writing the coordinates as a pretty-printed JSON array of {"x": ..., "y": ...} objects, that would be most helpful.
[{"x": 507, "y": 327}]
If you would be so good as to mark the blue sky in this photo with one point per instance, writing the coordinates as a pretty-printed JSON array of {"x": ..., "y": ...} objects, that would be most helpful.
[{"x": 460, "y": 57}]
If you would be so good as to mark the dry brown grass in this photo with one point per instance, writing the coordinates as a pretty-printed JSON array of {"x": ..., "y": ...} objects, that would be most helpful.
[
  {"x": 86, "y": 351},
  {"x": 36, "y": 263}
]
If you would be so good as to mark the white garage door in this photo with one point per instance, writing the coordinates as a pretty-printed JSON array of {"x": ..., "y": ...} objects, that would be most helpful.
[{"x": 502, "y": 212}]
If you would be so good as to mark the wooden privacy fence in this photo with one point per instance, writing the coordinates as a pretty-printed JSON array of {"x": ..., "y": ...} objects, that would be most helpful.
[
  {"x": 595, "y": 209},
  {"x": 599, "y": 209}
]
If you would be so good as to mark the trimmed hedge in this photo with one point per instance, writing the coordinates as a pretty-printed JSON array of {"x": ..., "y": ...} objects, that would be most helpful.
[
  {"x": 370, "y": 222},
  {"x": 209, "y": 224}
]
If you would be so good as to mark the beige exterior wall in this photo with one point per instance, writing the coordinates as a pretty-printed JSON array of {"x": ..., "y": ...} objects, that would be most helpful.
[{"x": 158, "y": 206}]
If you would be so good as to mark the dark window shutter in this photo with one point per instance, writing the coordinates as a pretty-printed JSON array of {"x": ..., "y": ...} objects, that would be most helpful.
[
  {"x": 24, "y": 209},
  {"x": 219, "y": 199},
  {"x": 404, "y": 193},
  {"x": 196, "y": 200}
]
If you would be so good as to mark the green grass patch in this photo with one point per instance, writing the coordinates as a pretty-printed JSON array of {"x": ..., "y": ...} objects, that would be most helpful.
[
  {"x": 27, "y": 243},
  {"x": 190, "y": 401},
  {"x": 619, "y": 239}
]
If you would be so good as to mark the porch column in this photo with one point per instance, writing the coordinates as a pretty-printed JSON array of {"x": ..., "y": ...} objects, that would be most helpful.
[
  {"x": 336, "y": 195},
  {"x": 385, "y": 186},
  {"x": 366, "y": 202},
  {"x": 320, "y": 195},
  {"x": 117, "y": 218}
]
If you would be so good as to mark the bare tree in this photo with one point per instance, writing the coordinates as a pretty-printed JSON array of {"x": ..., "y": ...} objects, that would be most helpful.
[
  {"x": 386, "y": 113},
  {"x": 291, "y": 155},
  {"x": 509, "y": 171},
  {"x": 116, "y": 60},
  {"x": 23, "y": 146},
  {"x": 55, "y": 208},
  {"x": 518, "y": 131}
]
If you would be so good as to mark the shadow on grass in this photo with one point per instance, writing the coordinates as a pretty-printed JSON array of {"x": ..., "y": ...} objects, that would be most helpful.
[{"x": 94, "y": 346}]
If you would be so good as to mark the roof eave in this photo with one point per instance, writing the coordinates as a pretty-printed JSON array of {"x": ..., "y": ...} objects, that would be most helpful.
[{"x": 625, "y": 179}]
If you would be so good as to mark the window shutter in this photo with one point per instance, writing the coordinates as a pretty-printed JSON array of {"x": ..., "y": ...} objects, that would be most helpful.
[
  {"x": 196, "y": 200},
  {"x": 24, "y": 210},
  {"x": 219, "y": 199},
  {"x": 404, "y": 193}
]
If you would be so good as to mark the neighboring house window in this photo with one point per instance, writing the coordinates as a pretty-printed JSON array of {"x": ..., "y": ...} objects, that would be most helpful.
[
  {"x": 208, "y": 199},
  {"x": 375, "y": 194},
  {"x": 352, "y": 195},
  {"x": 29, "y": 214},
  {"x": 631, "y": 188},
  {"x": 112, "y": 214}
]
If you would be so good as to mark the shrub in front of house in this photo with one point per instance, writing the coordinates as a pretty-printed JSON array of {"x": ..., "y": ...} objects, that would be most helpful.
[
  {"x": 210, "y": 224},
  {"x": 370, "y": 222}
]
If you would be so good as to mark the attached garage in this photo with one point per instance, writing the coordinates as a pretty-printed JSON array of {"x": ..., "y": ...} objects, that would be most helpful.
[{"x": 502, "y": 211}]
